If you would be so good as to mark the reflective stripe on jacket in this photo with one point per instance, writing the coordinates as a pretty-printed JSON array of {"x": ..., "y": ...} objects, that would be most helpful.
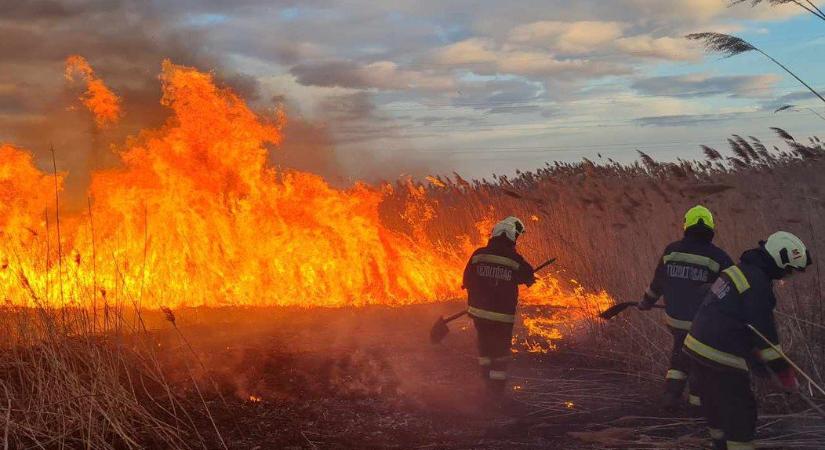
[
  {"x": 492, "y": 277},
  {"x": 743, "y": 295},
  {"x": 682, "y": 276},
  {"x": 491, "y": 315}
]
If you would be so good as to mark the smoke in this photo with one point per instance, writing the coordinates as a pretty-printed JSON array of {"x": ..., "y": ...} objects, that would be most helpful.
[
  {"x": 307, "y": 145},
  {"x": 321, "y": 355},
  {"x": 125, "y": 43}
]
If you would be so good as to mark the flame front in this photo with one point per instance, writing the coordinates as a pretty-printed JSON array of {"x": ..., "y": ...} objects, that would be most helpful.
[
  {"x": 102, "y": 102},
  {"x": 195, "y": 216}
]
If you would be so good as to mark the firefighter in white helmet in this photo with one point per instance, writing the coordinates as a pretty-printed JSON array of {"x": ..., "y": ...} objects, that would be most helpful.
[
  {"x": 722, "y": 347},
  {"x": 492, "y": 277}
]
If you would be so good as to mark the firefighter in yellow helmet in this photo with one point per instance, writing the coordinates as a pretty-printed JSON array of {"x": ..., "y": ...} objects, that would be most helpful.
[
  {"x": 723, "y": 348},
  {"x": 681, "y": 277},
  {"x": 492, "y": 277}
]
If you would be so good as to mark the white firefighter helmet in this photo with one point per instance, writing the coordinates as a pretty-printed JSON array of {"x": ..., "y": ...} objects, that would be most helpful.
[
  {"x": 788, "y": 251},
  {"x": 512, "y": 227}
]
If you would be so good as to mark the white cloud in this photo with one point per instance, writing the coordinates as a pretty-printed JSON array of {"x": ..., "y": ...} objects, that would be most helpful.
[
  {"x": 543, "y": 65},
  {"x": 667, "y": 48},
  {"x": 697, "y": 12},
  {"x": 595, "y": 37},
  {"x": 387, "y": 75},
  {"x": 382, "y": 75},
  {"x": 482, "y": 56},
  {"x": 679, "y": 10},
  {"x": 469, "y": 51},
  {"x": 567, "y": 37}
]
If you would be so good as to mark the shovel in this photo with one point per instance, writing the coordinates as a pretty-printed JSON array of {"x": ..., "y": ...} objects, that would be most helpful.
[
  {"x": 617, "y": 309},
  {"x": 440, "y": 329}
]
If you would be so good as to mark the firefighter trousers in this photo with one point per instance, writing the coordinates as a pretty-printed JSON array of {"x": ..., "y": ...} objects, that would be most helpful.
[
  {"x": 728, "y": 405},
  {"x": 679, "y": 370},
  {"x": 494, "y": 341}
]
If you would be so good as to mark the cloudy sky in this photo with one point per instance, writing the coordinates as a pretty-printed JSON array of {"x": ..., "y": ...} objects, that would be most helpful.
[{"x": 375, "y": 89}]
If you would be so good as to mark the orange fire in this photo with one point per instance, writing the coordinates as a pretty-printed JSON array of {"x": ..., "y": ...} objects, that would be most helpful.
[
  {"x": 570, "y": 308},
  {"x": 25, "y": 194},
  {"x": 102, "y": 102},
  {"x": 435, "y": 181},
  {"x": 195, "y": 216}
]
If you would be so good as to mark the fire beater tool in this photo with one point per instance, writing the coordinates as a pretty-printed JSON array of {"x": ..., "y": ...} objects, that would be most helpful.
[
  {"x": 440, "y": 329},
  {"x": 617, "y": 309},
  {"x": 778, "y": 350},
  {"x": 778, "y": 382},
  {"x": 799, "y": 391}
]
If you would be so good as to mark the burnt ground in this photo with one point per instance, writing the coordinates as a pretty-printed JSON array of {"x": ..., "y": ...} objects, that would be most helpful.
[{"x": 369, "y": 378}]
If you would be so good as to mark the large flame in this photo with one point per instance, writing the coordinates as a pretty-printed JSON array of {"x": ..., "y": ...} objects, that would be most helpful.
[
  {"x": 25, "y": 194},
  {"x": 102, "y": 102},
  {"x": 195, "y": 216}
]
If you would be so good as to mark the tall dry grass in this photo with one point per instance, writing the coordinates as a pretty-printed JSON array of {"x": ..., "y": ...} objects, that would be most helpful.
[
  {"x": 608, "y": 224},
  {"x": 72, "y": 379}
]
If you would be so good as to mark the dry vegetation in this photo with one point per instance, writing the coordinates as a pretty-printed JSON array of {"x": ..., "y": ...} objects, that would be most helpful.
[
  {"x": 608, "y": 223},
  {"x": 70, "y": 380},
  {"x": 68, "y": 383}
]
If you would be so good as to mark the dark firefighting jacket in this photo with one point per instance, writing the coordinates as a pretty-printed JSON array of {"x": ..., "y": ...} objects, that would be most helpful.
[
  {"x": 742, "y": 295},
  {"x": 492, "y": 277},
  {"x": 683, "y": 276}
]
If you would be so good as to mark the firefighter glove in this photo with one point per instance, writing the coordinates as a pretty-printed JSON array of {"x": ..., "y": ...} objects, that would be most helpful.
[{"x": 788, "y": 379}]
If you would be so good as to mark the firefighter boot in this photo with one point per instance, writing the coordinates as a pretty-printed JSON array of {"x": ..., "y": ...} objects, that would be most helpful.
[
  {"x": 670, "y": 402},
  {"x": 695, "y": 405},
  {"x": 495, "y": 399},
  {"x": 717, "y": 437},
  {"x": 672, "y": 398}
]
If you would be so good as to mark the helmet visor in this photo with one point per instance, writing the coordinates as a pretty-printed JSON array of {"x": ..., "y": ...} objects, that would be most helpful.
[
  {"x": 783, "y": 254},
  {"x": 519, "y": 228}
]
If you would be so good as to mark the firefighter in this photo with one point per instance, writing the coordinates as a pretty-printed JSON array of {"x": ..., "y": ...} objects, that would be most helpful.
[
  {"x": 723, "y": 348},
  {"x": 492, "y": 277},
  {"x": 682, "y": 276}
]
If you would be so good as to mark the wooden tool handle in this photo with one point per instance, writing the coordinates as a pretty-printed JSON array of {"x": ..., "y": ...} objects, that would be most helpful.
[
  {"x": 454, "y": 316},
  {"x": 544, "y": 264}
]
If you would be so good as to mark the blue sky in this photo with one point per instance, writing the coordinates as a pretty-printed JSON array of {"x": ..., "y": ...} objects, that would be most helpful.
[{"x": 418, "y": 87}]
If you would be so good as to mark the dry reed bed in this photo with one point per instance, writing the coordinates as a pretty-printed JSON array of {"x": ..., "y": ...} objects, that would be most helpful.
[
  {"x": 67, "y": 384},
  {"x": 608, "y": 223}
]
